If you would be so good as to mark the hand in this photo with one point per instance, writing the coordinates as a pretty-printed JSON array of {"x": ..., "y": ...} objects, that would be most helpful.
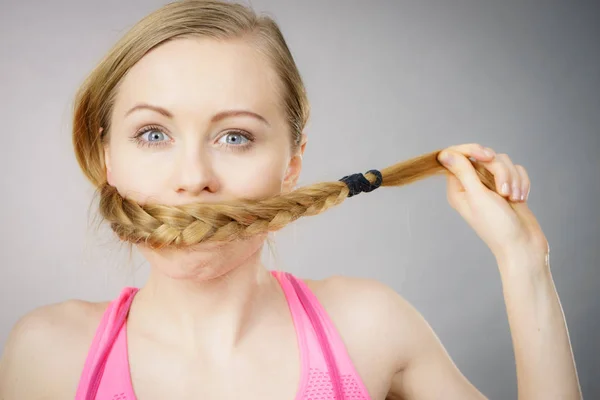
[{"x": 501, "y": 219}]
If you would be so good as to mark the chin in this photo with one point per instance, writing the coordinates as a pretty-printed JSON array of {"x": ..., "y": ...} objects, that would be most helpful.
[{"x": 203, "y": 261}]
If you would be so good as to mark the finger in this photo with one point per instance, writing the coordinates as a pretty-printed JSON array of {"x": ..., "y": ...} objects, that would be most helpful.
[
  {"x": 514, "y": 182},
  {"x": 502, "y": 175},
  {"x": 462, "y": 168},
  {"x": 474, "y": 151},
  {"x": 525, "y": 182}
]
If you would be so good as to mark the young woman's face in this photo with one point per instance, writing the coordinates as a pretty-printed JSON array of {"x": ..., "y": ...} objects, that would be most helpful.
[{"x": 197, "y": 120}]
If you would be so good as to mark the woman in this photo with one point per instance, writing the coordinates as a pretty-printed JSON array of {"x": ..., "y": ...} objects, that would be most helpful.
[{"x": 192, "y": 130}]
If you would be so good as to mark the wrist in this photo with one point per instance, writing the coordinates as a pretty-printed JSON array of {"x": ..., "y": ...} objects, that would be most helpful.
[{"x": 519, "y": 262}]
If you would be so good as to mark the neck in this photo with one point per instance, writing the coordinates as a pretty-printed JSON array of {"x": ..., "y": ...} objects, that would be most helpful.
[{"x": 208, "y": 312}]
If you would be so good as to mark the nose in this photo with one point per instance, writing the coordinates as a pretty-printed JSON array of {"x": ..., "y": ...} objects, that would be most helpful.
[{"x": 195, "y": 175}]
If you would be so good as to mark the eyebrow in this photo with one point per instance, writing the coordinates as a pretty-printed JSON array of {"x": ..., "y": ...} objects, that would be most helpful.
[{"x": 216, "y": 118}]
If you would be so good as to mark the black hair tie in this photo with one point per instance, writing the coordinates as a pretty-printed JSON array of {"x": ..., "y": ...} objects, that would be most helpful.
[{"x": 358, "y": 183}]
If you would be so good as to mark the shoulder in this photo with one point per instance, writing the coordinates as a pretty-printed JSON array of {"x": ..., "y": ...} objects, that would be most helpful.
[
  {"x": 372, "y": 314},
  {"x": 394, "y": 348},
  {"x": 46, "y": 349},
  {"x": 380, "y": 329}
]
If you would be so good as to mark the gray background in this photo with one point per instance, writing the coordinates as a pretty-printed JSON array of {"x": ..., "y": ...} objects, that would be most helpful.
[{"x": 388, "y": 80}]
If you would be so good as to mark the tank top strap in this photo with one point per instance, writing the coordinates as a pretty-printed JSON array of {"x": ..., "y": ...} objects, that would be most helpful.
[
  {"x": 324, "y": 344},
  {"x": 311, "y": 307},
  {"x": 107, "y": 332}
]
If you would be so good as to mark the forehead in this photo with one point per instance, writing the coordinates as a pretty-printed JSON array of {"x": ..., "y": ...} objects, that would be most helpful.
[{"x": 195, "y": 74}]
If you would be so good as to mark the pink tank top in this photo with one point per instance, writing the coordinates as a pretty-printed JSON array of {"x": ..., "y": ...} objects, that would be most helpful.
[{"x": 327, "y": 373}]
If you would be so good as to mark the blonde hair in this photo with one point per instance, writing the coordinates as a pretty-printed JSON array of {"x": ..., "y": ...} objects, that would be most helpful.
[{"x": 159, "y": 225}]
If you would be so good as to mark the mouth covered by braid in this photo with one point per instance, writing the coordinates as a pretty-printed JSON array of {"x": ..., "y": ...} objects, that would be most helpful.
[{"x": 159, "y": 226}]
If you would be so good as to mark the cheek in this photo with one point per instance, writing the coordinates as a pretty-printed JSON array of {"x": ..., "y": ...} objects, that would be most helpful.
[
  {"x": 259, "y": 176},
  {"x": 139, "y": 171}
]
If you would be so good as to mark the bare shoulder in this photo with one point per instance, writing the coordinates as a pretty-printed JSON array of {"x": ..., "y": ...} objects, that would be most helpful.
[
  {"x": 378, "y": 326},
  {"x": 370, "y": 310},
  {"x": 394, "y": 348},
  {"x": 46, "y": 350}
]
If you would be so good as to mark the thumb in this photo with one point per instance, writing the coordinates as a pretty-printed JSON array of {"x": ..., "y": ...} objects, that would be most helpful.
[{"x": 462, "y": 168}]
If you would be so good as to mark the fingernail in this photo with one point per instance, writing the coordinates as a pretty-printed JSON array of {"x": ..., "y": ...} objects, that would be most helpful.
[
  {"x": 489, "y": 152},
  {"x": 505, "y": 189}
]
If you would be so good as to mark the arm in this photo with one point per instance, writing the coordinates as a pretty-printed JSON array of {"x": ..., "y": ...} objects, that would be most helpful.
[
  {"x": 424, "y": 369},
  {"x": 544, "y": 358}
]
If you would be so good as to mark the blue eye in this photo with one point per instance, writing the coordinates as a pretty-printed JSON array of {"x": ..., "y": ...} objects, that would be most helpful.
[
  {"x": 151, "y": 136},
  {"x": 154, "y": 136},
  {"x": 235, "y": 139}
]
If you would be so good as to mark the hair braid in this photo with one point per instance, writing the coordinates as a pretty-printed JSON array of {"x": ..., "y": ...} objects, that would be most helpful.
[{"x": 159, "y": 225}]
